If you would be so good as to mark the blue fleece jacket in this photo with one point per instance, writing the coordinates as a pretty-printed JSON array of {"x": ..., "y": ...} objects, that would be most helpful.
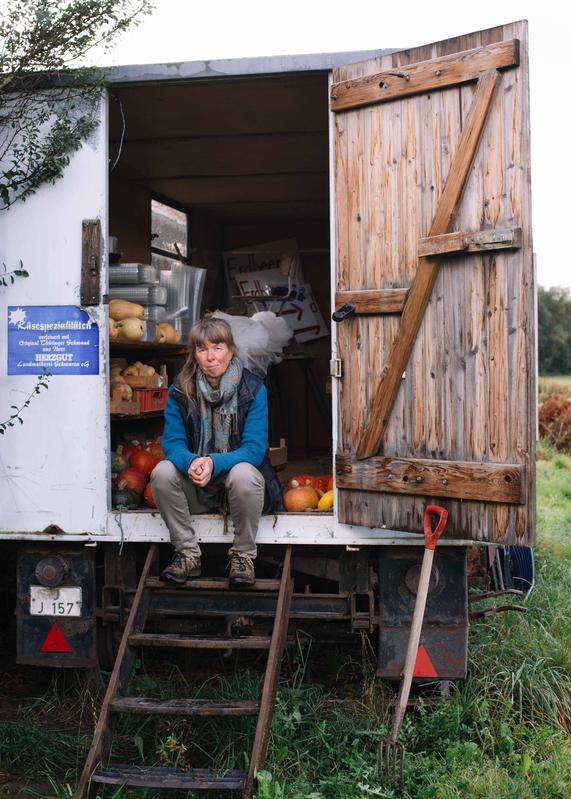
[{"x": 252, "y": 448}]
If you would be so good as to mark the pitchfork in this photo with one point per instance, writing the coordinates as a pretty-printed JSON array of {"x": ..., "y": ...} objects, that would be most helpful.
[{"x": 392, "y": 753}]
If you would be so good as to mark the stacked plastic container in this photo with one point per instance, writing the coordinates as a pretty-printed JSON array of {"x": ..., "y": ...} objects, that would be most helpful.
[
  {"x": 168, "y": 295},
  {"x": 184, "y": 286}
]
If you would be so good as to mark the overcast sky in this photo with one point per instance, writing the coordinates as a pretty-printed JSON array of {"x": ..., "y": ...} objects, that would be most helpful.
[{"x": 182, "y": 30}]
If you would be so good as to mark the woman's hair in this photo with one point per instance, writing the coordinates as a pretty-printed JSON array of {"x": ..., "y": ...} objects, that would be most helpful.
[{"x": 215, "y": 331}]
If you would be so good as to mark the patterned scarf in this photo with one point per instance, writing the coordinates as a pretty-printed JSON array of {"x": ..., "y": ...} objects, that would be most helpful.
[{"x": 218, "y": 408}]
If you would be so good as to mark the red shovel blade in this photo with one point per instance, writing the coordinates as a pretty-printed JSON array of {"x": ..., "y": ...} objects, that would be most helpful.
[{"x": 431, "y": 536}]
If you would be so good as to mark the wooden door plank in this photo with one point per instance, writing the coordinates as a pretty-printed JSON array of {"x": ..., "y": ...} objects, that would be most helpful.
[
  {"x": 465, "y": 242},
  {"x": 427, "y": 272},
  {"x": 487, "y": 482},
  {"x": 373, "y": 301},
  {"x": 426, "y": 76}
]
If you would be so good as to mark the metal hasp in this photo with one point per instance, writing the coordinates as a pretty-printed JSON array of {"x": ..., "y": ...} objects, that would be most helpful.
[
  {"x": 60, "y": 640},
  {"x": 444, "y": 641},
  {"x": 346, "y": 311},
  {"x": 90, "y": 290}
]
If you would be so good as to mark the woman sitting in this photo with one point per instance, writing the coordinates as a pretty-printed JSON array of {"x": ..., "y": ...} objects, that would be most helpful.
[{"x": 215, "y": 441}]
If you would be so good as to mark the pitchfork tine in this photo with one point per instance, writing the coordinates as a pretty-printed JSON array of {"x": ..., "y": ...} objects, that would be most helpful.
[{"x": 391, "y": 759}]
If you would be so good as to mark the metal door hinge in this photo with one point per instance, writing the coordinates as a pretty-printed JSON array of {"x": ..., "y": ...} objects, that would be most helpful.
[{"x": 336, "y": 367}]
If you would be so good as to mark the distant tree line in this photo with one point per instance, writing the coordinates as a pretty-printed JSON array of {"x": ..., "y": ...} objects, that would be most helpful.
[{"x": 554, "y": 317}]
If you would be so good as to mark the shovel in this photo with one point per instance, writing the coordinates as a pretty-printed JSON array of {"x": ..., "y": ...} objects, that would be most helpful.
[{"x": 391, "y": 753}]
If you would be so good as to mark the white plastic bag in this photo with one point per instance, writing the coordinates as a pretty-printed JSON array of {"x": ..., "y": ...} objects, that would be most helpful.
[{"x": 260, "y": 339}]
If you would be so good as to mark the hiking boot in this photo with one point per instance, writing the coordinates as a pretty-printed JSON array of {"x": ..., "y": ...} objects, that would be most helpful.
[
  {"x": 241, "y": 570},
  {"x": 181, "y": 568}
]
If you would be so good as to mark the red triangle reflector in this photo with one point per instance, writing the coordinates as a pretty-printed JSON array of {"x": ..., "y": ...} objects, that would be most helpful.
[
  {"x": 423, "y": 666},
  {"x": 55, "y": 641}
]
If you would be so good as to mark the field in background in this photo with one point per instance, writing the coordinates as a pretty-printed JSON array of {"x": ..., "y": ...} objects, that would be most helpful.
[
  {"x": 554, "y": 384},
  {"x": 504, "y": 733}
]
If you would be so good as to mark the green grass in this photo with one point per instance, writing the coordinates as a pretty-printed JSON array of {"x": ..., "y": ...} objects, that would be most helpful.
[
  {"x": 504, "y": 734},
  {"x": 554, "y": 501}
]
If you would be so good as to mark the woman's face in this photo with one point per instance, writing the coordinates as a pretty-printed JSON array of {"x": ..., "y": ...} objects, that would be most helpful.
[{"x": 213, "y": 359}]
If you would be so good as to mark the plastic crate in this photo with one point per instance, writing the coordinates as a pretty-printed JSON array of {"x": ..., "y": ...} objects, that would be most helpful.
[{"x": 151, "y": 399}]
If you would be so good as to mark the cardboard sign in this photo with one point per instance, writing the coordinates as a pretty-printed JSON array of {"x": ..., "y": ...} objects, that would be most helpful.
[
  {"x": 301, "y": 314},
  {"x": 59, "y": 339},
  {"x": 260, "y": 257}
]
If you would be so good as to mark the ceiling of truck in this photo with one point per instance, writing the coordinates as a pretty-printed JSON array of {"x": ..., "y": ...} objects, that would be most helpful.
[{"x": 237, "y": 148}]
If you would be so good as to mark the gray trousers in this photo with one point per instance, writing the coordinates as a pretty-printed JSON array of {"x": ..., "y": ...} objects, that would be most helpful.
[{"x": 176, "y": 498}]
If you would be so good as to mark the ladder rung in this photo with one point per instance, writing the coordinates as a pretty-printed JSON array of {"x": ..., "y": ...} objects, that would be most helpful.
[
  {"x": 166, "y": 777},
  {"x": 184, "y": 707},
  {"x": 198, "y": 642},
  {"x": 212, "y": 584}
]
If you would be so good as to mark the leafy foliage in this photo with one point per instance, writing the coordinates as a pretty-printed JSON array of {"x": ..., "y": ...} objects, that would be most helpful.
[
  {"x": 6, "y": 275},
  {"x": 16, "y": 415},
  {"x": 47, "y": 109},
  {"x": 554, "y": 318}
]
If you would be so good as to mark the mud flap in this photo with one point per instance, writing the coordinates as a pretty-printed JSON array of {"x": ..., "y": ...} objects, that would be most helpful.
[
  {"x": 443, "y": 649},
  {"x": 56, "y": 623}
]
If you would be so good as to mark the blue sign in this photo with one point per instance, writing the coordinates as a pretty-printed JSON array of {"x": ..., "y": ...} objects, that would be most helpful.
[{"x": 59, "y": 339}]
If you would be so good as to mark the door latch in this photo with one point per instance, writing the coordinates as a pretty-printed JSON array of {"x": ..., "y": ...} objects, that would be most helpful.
[{"x": 345, "y": 312}]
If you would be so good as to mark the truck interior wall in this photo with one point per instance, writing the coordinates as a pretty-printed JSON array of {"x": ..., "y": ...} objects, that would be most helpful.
[{"x": 130, "y": 218}]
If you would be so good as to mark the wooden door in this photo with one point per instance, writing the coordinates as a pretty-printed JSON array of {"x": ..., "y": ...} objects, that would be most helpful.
[{"x": 433, "y": 250}]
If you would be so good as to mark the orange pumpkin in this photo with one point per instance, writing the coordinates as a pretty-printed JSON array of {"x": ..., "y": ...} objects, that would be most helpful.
[
  {"x": 156, "y": 449},
  {"x": 300, "y": 499},
  {"x": 149, "y": 499},
  {"x": 143, "y": 461},
  {"x": 126, "y": 450},
  {"x": 131, "y": 479}
]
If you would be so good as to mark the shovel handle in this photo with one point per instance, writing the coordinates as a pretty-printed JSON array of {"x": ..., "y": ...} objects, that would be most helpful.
[{"x": 431, "y": 537}]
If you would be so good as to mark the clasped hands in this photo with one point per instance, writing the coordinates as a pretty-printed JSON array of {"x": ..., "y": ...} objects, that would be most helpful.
[{"x": 200, "y": 471}]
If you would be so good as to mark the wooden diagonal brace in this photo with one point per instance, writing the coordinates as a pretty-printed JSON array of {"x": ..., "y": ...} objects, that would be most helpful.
[{"x": 427, "y": 271}]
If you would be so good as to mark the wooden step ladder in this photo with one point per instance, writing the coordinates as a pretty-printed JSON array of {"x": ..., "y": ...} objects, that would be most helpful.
[{"x": 115, "y": 701}]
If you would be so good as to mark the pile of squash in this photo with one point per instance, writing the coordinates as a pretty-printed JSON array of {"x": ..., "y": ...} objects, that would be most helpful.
[
  {"x": 126, "y": 324},
  {"x": 131, "y": 468},
  {"x": 307, "y": 492},
  {"x": 125, "y": 377},
  {"x": 126, "y": 321}
]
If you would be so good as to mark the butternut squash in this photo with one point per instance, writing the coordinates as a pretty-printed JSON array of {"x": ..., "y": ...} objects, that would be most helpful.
[
  {"x": 167, "y": 334},
  {"x": 123, "y": 309},
  {"x": 131, "y": 329},
  {"x": 120, "y": 390}
]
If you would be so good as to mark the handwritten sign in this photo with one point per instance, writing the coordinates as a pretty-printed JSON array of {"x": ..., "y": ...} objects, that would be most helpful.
[
  {"x": 301, "y": 312},
  {"x": 59, "y": 339}
]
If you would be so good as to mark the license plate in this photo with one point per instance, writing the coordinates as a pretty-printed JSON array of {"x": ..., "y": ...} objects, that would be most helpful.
[{"x": 64, "y": 601}]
